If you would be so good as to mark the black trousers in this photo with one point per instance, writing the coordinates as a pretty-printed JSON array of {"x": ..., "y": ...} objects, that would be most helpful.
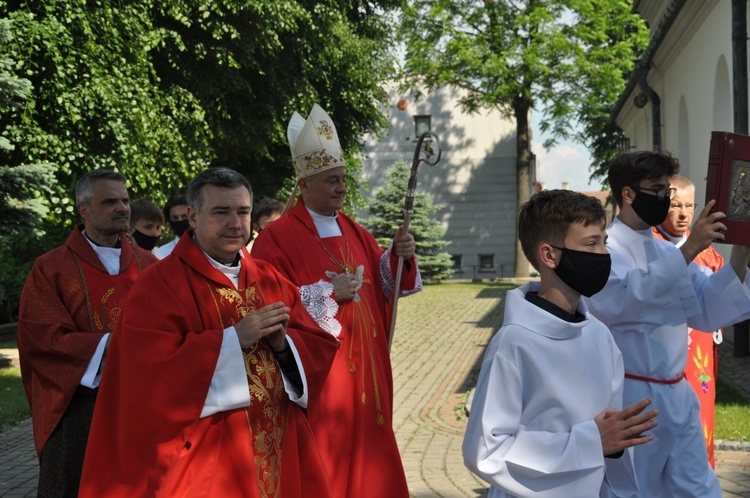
[{"x": 61, "y": 462}]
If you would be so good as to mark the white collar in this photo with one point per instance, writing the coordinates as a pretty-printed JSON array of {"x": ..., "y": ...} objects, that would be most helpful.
[
  {"x": 678, "y": 240},
  {"x": 231, "y": 272},
  {"x": 109, "y": 256},
  {"x": 327, "y": 225}
]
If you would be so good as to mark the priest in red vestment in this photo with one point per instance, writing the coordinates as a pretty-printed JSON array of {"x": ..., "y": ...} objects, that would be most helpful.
[
  {"x": 346, "y": 281},
  {"x": 210, "y": 370},
  {"x": 702, "y": 367},
  {"x": 70, "y": 303}
]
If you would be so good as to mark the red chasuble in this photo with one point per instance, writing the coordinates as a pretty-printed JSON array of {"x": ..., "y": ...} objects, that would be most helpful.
[
  {"x": 147, "y": 437},
  {"x": 68, "y": 302},
  {"x": 702, "y": 368},
  {"x": 353, "y": 418}
]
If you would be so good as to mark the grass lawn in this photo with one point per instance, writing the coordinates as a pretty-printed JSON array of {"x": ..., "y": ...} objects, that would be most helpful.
[
  {"x": 732, "y": 414},
  {"x": 13, "y": 405}
]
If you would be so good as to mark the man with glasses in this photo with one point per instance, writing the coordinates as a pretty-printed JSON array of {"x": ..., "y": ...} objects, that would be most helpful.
[
  {"x": 653, "y": 294},
  {"x": 701, "y": 367}
]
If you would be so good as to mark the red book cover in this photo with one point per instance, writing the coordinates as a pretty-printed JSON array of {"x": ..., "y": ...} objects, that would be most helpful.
[{"x": 729, "y": 183}]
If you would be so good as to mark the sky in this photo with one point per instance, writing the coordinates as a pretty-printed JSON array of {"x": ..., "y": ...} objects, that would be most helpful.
[{"x": 568, "y": 162}]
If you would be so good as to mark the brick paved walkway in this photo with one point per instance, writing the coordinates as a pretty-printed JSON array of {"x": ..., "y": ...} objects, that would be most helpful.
[
  {"x": 438, "y": 346},
  {"x": 19, "y": 469}
]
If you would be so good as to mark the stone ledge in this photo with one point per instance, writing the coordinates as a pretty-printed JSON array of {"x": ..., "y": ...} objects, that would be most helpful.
[
  {"x": 8, "y": 331},
  {"x": 9, "y": 358},
  {"x": 721, "y": 445}
]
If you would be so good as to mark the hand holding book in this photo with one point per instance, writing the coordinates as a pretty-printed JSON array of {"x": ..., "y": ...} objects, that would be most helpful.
[
  {"x": 708, "y": 227},
  {"x": 729, "y": 184}
]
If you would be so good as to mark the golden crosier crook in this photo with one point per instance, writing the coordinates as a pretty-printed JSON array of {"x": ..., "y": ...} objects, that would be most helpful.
[{"x": 428, "y": 152}]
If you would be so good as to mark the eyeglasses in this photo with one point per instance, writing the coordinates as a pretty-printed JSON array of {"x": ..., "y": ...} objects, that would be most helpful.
[
  {"x": 661, "y": 193},
  {"x": 688, "y": 206}
]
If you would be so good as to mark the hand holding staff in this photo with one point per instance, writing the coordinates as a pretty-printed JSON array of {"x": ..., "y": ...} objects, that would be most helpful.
[{"x": 427, "y": 151}]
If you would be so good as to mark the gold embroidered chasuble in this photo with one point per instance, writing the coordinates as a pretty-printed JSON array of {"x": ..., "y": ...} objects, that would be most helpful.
[
  {"x": 163, "y": 359},
  {"x": 267, "y": 414}
]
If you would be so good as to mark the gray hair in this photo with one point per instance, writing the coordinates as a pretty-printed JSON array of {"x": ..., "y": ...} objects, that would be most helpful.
[
  {"x": 678, "y": 181},
  {"x": 85, "y": 184},
  {"x": 218, "y": 177}
]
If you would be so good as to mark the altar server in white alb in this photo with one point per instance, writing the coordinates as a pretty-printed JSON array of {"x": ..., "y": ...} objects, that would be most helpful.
[
  {"x": 547, "y": 418},
  {"x": 654, "y": 292}
]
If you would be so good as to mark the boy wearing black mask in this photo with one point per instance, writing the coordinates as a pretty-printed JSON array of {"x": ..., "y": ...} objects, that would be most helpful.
[
  {"x": 175, "y": 212},
  {"x": 547, "y": 417},
  {"x": 653, "y": 293},
  {"x": 146, "y": 223}
]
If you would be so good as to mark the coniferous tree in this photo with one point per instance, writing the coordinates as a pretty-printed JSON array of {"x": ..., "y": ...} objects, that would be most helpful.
[
  {"x": 21, "y": 191},
  {"x": 21, "y": 185},
  {"x": 386, "y": 215}
]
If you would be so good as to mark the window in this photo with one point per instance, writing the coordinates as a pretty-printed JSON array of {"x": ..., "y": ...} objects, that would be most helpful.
[
  {"x": 624, "y": 145},
  {"x": 456, "y": 261},
  {"x": 486, "y": 262},
  {"x": 422, "y": 124}
]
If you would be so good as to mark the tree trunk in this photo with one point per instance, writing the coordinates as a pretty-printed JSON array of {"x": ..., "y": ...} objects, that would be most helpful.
[{"x": 521, "y": 107}]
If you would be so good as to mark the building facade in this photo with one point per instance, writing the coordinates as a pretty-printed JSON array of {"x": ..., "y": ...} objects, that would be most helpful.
[
  {"x": 682, "y": 89},
  {"x": 691, "y": 81},
  {"x": 474, "y": 182}
]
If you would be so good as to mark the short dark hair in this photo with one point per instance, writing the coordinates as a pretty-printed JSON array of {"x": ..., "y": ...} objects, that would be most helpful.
[
  {"x": 218, "y": 177},
  {"x": 547, "y": 217},
  {"x": 85, "y": 184},
  {"x": 266, "y": 207},
  {"x": 629, "y": 169},
  {"x": 144, "y": 209},
  {"x": 177, "y": 199}
]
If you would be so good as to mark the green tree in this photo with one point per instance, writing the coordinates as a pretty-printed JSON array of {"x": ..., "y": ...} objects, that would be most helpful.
[
  {"x": 160, "y": 89},
  {"x": 570, "y": 57},
  {"x": 97, "y": 100},
  {"x": 387, "y": 215},
  {"x": 21, "y": 188},
  {"x": 21, "y": 185},
  {"x": 252, "y": 63}
]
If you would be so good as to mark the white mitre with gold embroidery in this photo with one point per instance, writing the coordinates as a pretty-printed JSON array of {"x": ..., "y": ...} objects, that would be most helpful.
[{"x": 314, "y": 143}]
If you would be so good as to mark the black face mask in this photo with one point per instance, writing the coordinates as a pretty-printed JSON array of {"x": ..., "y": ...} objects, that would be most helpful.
[
  {"x": 144, "y": 241},
  {"x": 180, "y": 227},
  {"x": 650, "y": 208},
  {"x": 584, "y": 272}
]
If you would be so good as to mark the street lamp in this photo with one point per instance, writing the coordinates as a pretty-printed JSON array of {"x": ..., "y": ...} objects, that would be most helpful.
[{"x": 422, "y": 124}]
